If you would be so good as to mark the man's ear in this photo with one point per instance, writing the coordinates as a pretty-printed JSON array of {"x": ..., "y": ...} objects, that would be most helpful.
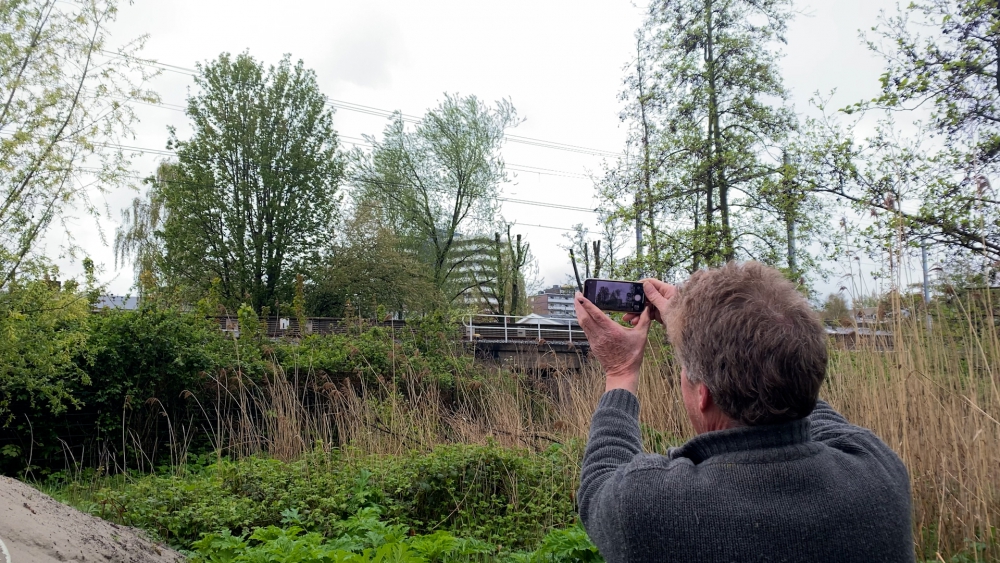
[{"x": 705, "y": 401}]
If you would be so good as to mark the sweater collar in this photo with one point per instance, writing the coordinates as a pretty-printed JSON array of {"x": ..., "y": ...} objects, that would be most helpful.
[{"x": 744, "y": 439}]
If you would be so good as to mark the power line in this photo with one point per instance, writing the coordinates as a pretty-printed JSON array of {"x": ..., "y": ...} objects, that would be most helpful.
[
  {"x": 545, "y": 204},
  {"x": 379, "y": 112},
  {"x": 360, "y": 142},
  {"x": 508, "y": 200},
  {"x": 543, "y": 227}
]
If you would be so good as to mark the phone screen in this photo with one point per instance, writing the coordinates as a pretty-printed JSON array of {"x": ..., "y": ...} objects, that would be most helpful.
[{"x": 613, "y": 295}]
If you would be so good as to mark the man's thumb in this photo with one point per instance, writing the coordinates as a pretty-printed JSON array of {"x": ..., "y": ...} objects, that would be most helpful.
[
  {"x": 653, "y": 295},
  {"x": 645, "y": 319}
]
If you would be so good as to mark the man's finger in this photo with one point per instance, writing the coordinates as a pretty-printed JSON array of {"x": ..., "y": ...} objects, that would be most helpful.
[
  {"x": 581, "y": 314},
  {"x": 645, "y": 319},
  {"x": 592, "y": 310},
  {"x": 663, "y": 288},
  {"x": 654, "y": 296},
  {"x": 630, "y": 318}
]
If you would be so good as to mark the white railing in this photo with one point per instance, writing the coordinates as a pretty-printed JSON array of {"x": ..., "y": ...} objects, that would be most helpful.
[{"x": 506, "y": 328}]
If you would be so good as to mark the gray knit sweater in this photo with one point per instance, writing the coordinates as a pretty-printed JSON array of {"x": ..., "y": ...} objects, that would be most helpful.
[{"x": 817, "y": 489}]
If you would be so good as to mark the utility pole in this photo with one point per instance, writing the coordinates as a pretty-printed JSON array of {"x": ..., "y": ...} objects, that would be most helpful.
[{"x": 927, "y": 285}]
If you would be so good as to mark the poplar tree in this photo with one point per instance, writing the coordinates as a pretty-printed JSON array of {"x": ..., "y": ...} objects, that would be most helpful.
[{"x": 707, "y": 102}]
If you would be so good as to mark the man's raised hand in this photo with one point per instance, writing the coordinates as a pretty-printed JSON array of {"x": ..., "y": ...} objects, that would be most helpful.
[
  {"x": 619, "y": 349},
  {"x": 658, "y": 295}
]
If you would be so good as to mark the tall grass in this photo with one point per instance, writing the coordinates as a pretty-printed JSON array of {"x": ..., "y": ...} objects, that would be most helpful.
[{"x": 934, "y": 398}]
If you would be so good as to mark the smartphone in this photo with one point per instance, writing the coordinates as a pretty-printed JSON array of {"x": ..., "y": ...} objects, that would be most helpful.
[{"x": 614, "y": 295}]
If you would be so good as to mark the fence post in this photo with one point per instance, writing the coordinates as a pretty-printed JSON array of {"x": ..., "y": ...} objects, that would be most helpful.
[
  {"x": 505, "y": 337},
  {"x": 539, "y": 325}
]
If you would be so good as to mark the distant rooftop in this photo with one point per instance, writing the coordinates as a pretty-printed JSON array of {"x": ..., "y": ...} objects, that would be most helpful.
[
  {"x": 557, "y": 290},
  {"x": 123, "y": 302}
]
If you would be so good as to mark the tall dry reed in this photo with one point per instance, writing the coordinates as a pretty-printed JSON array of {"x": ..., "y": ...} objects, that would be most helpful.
[{"x": 933, "y": 398}]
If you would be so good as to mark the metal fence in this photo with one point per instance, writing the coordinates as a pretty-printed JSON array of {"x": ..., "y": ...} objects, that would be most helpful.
[{"x": 506, "y": 328}]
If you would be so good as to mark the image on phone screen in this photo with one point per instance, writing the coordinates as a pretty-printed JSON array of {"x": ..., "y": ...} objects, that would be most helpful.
[{"x": 612, "y": 295}]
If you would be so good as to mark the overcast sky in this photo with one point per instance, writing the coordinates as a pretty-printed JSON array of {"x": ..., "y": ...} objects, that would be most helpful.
[{"x": 559, "y": 62}]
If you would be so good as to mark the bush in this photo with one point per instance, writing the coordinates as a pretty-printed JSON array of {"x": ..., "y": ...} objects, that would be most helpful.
[
  {"x": 375, "y": 355},
  {"x": 43, "y": 329},
  {"x": 150, "y": 356},
  {"x": 365, "y": 538},
  {"x": 140, "y": 377},
  {"x": 131, "y": 387},
  {"x": 505, "y": 497},
  {"x": 501, "y": 496}
]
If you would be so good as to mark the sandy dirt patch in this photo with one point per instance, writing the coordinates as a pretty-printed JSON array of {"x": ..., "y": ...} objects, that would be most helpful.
[{"x": 35, "y": 528}]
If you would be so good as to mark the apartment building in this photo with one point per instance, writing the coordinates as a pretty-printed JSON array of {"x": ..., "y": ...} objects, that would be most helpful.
[{"x": 555, "y": 301}]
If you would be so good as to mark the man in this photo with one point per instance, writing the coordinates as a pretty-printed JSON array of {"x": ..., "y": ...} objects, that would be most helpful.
[{"x": 774, "y": 473}]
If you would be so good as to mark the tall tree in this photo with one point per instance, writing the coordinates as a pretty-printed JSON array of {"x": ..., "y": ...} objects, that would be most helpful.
[
  {"x": 438, "y": 181},
  {"x": 720, "y": 127},
  {"x": 65, "y": 99},
  {"x": 942, "y": 59},
  {"x": 254, "y": 195}
]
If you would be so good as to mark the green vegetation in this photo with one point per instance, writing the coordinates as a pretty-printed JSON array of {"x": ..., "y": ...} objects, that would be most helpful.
[
  {"x": 43, "y": 331},
  {"x": 387, "y": 444},
  {"x": 400, "y": 439},
  {"x": 448, "y": 504},
  {"x": 138, "y": 389}
]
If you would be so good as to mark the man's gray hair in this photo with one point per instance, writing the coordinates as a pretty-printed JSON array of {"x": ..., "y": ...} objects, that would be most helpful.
[{"x": 747, "y": 334}]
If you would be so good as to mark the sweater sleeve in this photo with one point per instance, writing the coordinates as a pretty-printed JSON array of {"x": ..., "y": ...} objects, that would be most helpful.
[{"x": 614, "y": 440}]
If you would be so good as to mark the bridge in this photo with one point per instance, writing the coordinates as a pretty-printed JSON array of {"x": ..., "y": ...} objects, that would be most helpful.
[{"x": 534, "y": 343}]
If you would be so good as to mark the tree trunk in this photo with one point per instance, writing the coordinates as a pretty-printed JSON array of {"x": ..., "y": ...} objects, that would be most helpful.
[
  {"x": 710, "y": 243},
  {"x": 646, "y": 170}
]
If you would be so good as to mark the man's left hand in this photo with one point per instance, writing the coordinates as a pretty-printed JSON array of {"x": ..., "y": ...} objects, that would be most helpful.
[{"x": 619, "y": 349}]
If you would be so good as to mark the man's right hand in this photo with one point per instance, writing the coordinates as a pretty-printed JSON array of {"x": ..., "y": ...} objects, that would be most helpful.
[{"x": 658, "y": 295}]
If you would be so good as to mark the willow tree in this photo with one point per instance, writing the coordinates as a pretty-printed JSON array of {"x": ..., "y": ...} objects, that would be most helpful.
[
  {"x": 65, "y": 99},
  {"x": 436, "y": 184}
]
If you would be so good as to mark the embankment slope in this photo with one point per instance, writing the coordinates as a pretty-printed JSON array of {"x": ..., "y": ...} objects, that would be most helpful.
[{"x": 35, "y": 528}]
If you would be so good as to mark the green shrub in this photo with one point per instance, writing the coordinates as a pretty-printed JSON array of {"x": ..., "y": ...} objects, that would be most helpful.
[
  {"x": 43, "y": 328},
  {"x": 131, "y": 387},
  {"x": 142, "y": 371},
  {"x": 504, "y": 497},
  {"x": 568, "y": 545},
  {"x": 376, "y": 355},
  {"x": 366, "y": 538}
]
